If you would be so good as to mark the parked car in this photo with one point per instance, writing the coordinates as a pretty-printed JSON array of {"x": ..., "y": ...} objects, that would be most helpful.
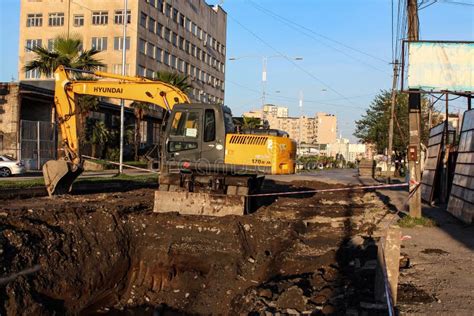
[{"x": 9, "y": 166}]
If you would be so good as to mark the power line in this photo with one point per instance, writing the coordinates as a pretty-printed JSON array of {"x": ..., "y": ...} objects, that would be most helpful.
[
  {"x": 304, "y": 30},
  {"x": 458, "y": 3},
  {"x": 290, "y": 60},
  {"x": 320, "y": 102}
]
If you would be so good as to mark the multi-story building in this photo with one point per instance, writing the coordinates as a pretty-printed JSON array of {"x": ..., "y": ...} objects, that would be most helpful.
[
  {"x": 320, "y": 129},
  {"x": 273, "y": 110},
  {"x": 326, "y": 128},
  {"x": 184, "y": 36}
]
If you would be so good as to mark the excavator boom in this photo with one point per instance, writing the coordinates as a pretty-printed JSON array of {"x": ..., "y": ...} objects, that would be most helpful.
[{"x": 60, "y": 174}]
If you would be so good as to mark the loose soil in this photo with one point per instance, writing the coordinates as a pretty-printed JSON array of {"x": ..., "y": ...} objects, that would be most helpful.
[{"x": 109, "y": 253}]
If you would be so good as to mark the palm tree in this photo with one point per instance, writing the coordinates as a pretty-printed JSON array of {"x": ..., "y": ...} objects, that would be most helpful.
[
  {"x": 175, "y": 79},
  {"x": 99, "y": 136},
  {"x": 66, "y": 51},
  {"x": 69, "y": 52},
  {"x": 139, "y": 109}
]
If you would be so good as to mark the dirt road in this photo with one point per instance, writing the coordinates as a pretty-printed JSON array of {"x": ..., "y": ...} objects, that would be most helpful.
[{"x": 108, "y": 252}]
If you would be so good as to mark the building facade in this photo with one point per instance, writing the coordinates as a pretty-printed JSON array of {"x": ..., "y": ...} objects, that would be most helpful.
[{"x": 185, "y": 36}]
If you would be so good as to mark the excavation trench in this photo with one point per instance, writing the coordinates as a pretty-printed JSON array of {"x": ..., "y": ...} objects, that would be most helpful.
[{"x": 109, "y": 253}]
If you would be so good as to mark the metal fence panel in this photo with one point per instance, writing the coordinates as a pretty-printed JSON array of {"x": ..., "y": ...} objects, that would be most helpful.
[{"x": 38, "y": 143}]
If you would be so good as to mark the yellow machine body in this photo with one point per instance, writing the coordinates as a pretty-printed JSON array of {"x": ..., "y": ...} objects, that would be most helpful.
[{"x": 268, "y": 154}]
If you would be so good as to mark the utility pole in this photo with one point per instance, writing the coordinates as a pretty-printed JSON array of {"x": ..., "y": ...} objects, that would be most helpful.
[
  {"x": 392, "y": 114},
  {"x": 124, "y": 69},
  {"x": 414, "y": 122},
  {"x": 264, "y": 82}
]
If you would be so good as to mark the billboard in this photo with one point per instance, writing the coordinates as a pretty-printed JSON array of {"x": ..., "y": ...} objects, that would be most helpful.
[{"x": 441, "y": 66}]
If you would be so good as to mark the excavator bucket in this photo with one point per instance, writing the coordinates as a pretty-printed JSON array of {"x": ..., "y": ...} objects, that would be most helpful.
[
  {"x": 59, "y": 176},
  {"x": 191, "y": 203}
]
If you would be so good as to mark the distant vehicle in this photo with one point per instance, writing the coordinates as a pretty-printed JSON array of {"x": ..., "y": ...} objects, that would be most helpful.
[{"x": 9, "y": 166}]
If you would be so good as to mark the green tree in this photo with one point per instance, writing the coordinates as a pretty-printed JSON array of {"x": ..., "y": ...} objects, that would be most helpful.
[
  {"x": 178, "y": 80},
  {"x": 99, "y": 135},
  {"x": 373, "y": 126},
  {"x": 69, "y": 52},
  {"x": 66, "y": 51},
  {"x": 251, "y": 122},
  {"x": 139, "y": 109}
]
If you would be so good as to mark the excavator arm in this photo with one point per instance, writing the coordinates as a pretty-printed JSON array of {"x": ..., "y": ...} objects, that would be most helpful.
[{"x": 60, "y": 174}]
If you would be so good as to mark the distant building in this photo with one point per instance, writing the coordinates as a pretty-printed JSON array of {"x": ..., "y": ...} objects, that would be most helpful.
[
  {"x": 188, "y": 37},
  {"x": 350, "y": 152},
  {"x": 326, "y": 126}
]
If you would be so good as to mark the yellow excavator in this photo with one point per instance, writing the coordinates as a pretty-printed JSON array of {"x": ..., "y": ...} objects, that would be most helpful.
[{"x": 207, "y": 165}]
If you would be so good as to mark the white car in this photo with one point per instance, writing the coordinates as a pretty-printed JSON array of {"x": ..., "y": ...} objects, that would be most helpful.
[{"x": 10, "y": 166}]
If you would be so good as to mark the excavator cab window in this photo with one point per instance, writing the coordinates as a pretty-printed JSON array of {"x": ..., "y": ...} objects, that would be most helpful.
[
  {"x": 185, "y": 124},
  {"x": 209, "y": 126},
  {"x": 184, "y": 131}
]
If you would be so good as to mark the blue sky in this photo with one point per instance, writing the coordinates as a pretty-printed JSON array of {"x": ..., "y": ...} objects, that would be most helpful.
[{"x": 333, "y": 78}]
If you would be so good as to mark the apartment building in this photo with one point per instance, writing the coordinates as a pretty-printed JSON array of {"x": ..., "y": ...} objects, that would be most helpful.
[
  {"x": 278, "y": 111},
  {"x": 185, "y": 36}
]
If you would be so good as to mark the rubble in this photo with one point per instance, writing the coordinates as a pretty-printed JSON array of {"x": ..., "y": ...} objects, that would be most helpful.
[{"x": 100, "y": 254}]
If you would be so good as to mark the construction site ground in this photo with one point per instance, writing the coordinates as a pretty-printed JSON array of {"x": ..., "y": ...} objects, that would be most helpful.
[{"x": 108, "y": 253}]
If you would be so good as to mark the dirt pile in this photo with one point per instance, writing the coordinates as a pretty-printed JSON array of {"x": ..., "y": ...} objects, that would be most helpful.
[{"x": 105, "y": 252}]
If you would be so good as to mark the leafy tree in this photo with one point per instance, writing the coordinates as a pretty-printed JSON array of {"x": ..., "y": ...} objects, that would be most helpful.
[
  {"x": 250, "y": 122},
  {"x": 178, "y": 80},
  {"x": 373, "y": 126}
]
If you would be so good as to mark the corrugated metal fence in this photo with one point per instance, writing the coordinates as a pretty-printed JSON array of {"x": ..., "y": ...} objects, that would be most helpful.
[{"x": 38, "y": 143}]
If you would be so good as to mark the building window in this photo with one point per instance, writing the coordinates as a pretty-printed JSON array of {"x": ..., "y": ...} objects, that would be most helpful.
[
  {"x": 32, "y": 74},
  {"x": 99, "y": 43},
  {"x": 173, "y": 61},
  {"x": 150, "y": 50},
  {"x": 117, "y": 69},
  {"x": 166, "y": 58},
  {"x": 118, "y": 43},
  {"x": 180, "y": 65},
  {"x": 181, "y": 43},
  {"x": 100, "y": 17},
  {"x": 56, "y": 19},
  {"x": 141, "y": 70},
  {"x": 150, "y": 74},
  {"x": 167, "y": 34},
  {"x": 156, "y": 133},
  {"x": 175, "y": 15},
  {"x": 158, "y": 54},
  {"x": 181, "y": 20},
  {"x": 142, "y": 46},
  {"x": 143, "y": 132},
  {"x": 167, "y": 9},
  {"x": 194, "y": 27},
  {"x": 174, "y": 39},
  {"x": 34, "y": 20},
  {"x": 118, "y": 17},
  {"x": 51, "y": 45},
  {"x": 32, "y": 43},
  {"x": 78, "y": 20},
  {"x": 159, "y": 29},
  {"x": 151, "y": 25},
  {"x": 143, "y": 18},
  {"x": 187, "y": 24}
]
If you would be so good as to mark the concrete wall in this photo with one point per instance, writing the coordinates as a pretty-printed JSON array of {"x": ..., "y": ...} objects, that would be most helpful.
[{"x": 9, "y": 119}]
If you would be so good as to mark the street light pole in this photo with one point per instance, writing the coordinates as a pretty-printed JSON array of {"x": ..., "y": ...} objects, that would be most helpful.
[
  {"x": 264, "y": 82},
  {"x": 122, "y": 101}
]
